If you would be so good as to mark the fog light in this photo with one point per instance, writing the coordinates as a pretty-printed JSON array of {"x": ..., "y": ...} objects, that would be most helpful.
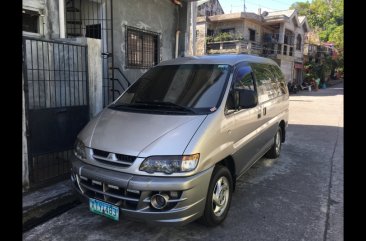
[{"x": 159, "y": 201}]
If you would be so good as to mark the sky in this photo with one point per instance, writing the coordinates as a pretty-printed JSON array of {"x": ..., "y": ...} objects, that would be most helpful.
[{"x": 253, "y": 5}]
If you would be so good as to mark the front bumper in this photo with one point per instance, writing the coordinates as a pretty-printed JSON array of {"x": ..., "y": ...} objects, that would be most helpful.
[{"x": 131, "y": 193}]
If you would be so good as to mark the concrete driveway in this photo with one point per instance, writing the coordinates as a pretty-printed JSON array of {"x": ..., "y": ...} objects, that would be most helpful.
[{"x": 296, "y": 197}]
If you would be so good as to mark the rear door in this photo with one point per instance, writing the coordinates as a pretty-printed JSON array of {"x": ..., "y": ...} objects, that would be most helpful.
[
  {"x": 246, "y": 120},
  {"x": 268, "y": 98}
]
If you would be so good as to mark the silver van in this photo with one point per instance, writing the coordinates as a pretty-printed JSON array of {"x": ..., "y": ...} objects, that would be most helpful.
[{"x": 171, "y": 147}]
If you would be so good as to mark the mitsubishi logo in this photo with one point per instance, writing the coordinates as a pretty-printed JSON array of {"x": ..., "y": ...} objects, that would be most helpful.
[{"x": 112, "y": 157}]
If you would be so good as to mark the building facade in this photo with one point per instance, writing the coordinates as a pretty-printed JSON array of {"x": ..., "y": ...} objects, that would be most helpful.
[
  {"x": 278, "y": 35},
  {"x": 89, "y": 52}
]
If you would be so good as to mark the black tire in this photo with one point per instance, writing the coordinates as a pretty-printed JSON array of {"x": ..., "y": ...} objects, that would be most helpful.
[
  {"x": 209, "y": 218},
  {"x": 275, "y": 152}
]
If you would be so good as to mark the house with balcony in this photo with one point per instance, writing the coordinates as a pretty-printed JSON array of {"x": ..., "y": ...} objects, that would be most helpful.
[{"x": 278, "y": 35}]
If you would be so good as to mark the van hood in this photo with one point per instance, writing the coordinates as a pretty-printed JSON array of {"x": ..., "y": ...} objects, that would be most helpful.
[{"x": 140, "y": 134}]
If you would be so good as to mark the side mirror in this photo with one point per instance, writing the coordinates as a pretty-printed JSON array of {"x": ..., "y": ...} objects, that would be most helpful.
[{"x": 247, "y": 98}]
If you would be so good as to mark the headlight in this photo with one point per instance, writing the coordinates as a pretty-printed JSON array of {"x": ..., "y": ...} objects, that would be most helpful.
[
  {"x": 170, "y": 164},
  {"x": 79, "y": 150}
]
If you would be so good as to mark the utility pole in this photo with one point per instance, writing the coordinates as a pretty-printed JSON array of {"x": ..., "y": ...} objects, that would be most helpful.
[{"x": 245, "y": 8}]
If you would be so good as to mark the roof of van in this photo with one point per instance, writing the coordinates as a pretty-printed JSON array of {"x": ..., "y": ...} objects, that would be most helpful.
[{"x": 230, "y": 59}]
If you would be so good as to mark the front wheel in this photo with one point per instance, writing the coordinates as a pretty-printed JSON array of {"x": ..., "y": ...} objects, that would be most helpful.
[{"x": 218, "y": 197}]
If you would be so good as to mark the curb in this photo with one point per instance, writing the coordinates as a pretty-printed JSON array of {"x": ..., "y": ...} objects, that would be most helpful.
[{"x": 41, "y": 205}]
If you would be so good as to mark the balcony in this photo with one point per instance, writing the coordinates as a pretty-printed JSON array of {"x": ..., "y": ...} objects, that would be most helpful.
[
  {"x": 224, "y": 43},
  {"x": 234, "y": 46},
  {"x": 272, "y": 50}
]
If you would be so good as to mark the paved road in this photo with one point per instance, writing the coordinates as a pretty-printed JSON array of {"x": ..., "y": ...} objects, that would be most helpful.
[{"x": 296, "y": 197}]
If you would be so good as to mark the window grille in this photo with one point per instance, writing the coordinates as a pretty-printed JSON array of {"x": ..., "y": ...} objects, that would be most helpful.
[{"x": 142, "y": 48}]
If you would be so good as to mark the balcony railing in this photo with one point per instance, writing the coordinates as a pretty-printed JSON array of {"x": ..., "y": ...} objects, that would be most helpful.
[
  {"x": 234, "y": 46},
  {"x": 250, "y": 47}
]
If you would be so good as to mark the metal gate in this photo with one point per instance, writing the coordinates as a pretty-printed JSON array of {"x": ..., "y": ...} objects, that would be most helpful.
[{"x": 57, "y": 105}]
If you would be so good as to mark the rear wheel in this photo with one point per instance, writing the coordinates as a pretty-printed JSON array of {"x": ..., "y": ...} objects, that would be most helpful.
[
  {"x": 218, "y": 197},
  {"x": 275, "y": 150}
]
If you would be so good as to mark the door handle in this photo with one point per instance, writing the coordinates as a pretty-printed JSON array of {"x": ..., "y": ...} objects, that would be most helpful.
[{"x": 264, "y": 111}]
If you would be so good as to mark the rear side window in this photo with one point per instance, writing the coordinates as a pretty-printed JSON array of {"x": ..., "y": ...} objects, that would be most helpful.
[
  {"x": 264, "y": 82},
  {"x": 281, "y": 80},
  {"x": 275, "y": 80},
  {"x": 268, "y": 78}
]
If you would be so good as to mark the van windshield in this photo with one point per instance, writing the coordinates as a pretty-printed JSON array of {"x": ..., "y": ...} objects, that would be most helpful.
[{"x": 187, "y": 88}]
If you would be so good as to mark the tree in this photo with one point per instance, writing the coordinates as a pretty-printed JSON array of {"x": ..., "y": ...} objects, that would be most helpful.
[
  {"x": 302, "y": 8},
  {"x": 326, "y": 18}
]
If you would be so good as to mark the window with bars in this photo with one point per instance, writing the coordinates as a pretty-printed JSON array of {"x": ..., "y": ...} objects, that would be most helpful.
[{"x": 142, "y": 49}]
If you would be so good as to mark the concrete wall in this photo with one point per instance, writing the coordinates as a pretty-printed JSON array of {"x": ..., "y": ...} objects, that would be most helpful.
[
  {"x": 201, "y": 29},
  {"x": 252, "y": 25},
  {"x": 49, "y": 22},
  {"x": 160, "y": 16},
  {"x": 95, "y": 74}
]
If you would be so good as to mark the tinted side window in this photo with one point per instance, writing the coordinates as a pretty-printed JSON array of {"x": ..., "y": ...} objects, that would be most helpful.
[
  {"x": 270, "y": 81},
  {"x": 264, "y": 82},
  {"x": 275, "y": 80},
  {"x": 281, "y": 80},
  {"x": 243, "y": 79}
]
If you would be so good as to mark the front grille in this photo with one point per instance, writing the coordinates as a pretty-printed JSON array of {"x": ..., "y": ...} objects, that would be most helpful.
[
  {"x": 118, "y": 196},
  {"x": 115, "y": 159},
  {"x": 100, "y": 153},
  {"x": 122, "y": 197}
]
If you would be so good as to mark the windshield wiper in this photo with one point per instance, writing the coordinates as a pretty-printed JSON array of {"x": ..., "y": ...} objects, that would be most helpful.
[{"x": 166, "y": 104}]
